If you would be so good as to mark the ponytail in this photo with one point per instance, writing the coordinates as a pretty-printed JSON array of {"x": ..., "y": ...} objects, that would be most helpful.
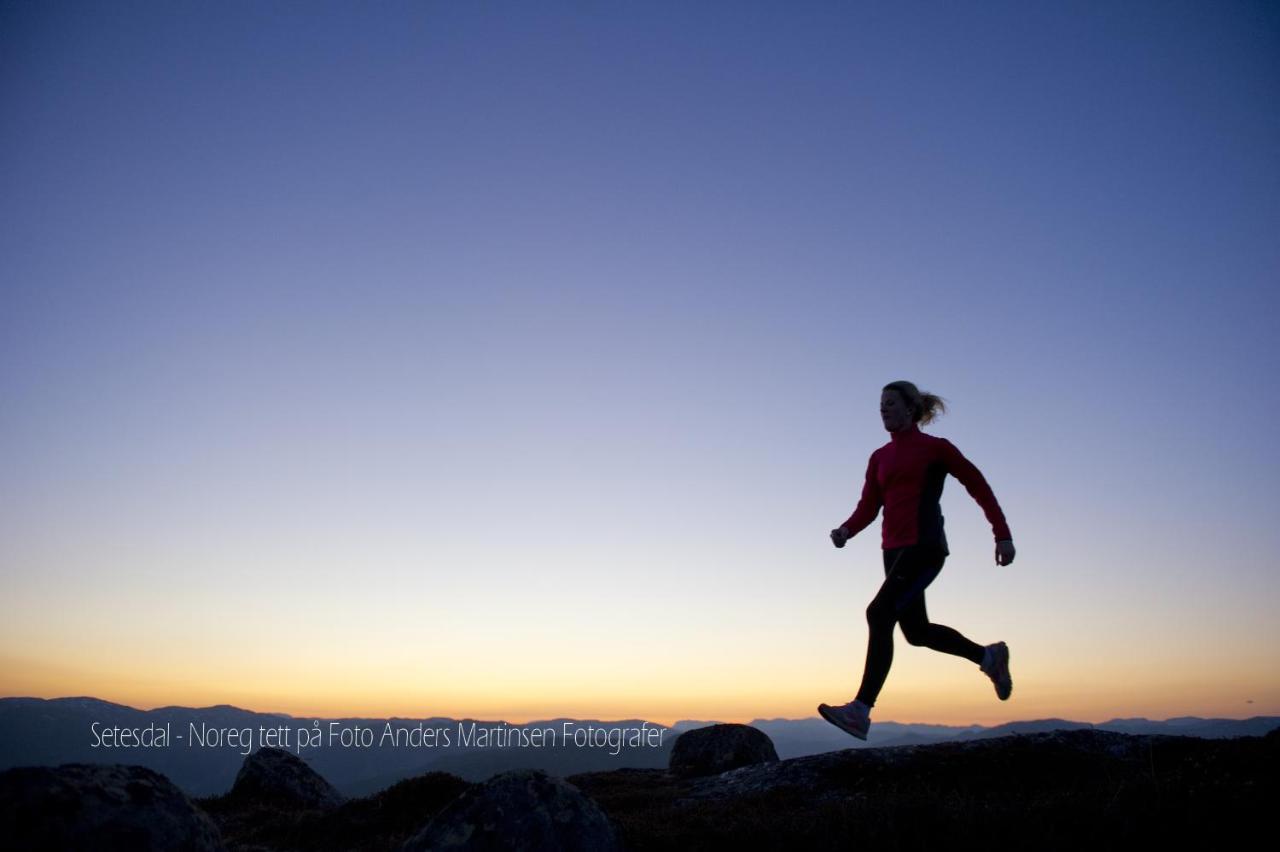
[{"x": 925, "y": 406}]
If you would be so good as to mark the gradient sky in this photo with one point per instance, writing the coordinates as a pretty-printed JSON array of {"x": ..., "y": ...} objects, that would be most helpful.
[{"x": 515, "y": 360}]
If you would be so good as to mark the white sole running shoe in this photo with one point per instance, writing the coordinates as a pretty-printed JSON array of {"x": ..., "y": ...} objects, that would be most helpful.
[
  {"x": 847, "y": 718},
  {"x": 998, "y": 670}
]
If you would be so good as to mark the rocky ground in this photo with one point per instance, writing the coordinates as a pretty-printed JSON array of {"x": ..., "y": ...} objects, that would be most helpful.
[
  {"x": 1058, "y": 790},
  {"x": 725, "y": 786}
]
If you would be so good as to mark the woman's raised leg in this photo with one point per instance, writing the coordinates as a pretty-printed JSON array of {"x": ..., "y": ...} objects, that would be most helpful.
[
  {"x": 908, "y": 571},
  {"x": 918, "y": 630}
]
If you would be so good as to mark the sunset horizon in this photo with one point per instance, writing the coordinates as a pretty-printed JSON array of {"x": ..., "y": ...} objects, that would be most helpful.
[
  {"x": 909, "y": 708},
  {"x": 424, "y": 713}
]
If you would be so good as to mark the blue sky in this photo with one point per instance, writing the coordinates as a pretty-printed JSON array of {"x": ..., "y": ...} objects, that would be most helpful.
[{"x": 553, "y": 334}]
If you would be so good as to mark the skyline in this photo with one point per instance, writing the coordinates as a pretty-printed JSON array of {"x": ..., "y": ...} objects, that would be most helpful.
[{"x": 515, "y": 363}]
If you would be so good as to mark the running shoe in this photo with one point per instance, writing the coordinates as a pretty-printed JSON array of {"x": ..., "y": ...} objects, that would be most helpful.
[
  {"x": 996, "y": 667},
  {"x": 848, "y": 718}
]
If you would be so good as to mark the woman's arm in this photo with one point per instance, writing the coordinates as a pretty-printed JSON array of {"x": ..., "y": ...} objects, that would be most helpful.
[
  {"x": 971, "y": 478},
  {"x": 867, "y": 509}
]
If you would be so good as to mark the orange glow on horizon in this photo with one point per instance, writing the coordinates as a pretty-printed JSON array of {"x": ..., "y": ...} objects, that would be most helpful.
[{"x": 964, "y": 702}]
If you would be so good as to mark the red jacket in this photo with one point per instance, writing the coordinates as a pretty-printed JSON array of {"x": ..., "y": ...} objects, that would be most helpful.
[{"x": 906, "y": 477}]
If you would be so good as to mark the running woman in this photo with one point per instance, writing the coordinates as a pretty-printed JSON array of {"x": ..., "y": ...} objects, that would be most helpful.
[{"x": 905, "y": 476}]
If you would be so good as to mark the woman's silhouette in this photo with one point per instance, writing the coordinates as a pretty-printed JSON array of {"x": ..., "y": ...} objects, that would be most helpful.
[{"x": 905, "y": 476}]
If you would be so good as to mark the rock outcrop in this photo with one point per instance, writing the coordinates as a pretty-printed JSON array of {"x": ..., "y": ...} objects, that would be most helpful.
[
  {"x": 273, "y": 775},
  {"x": 383, "y": 821},
  {"x": 719, "y": 748},
  {"x": 521, "y": 810},
  {"x": 106, "y": 807}
]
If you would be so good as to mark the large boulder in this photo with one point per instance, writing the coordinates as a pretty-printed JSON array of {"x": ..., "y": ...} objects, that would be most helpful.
[
  {"x": 525, "y": 809},
  {"x": 272, "y": 775},
  {"x": 106, "y": 807},
  {"x": 719, "y": 748}
]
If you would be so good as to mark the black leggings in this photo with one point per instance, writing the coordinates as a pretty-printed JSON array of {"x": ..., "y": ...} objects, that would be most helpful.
[{"x": 908, "y": 571}]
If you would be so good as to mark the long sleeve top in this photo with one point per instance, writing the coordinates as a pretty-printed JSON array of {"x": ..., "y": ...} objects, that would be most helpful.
[{"x": 905, "y": 476}]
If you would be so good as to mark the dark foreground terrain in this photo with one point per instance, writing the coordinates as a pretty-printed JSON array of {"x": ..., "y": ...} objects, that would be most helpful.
[
  {"x": 1054, "y": 790},
  {"x": 1058, "y": 790}
]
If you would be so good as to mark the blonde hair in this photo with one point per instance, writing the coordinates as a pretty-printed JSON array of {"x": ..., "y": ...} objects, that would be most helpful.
[{"x": 926, "y": 406}]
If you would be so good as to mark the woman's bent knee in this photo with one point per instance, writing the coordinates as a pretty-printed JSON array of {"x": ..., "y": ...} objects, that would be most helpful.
[
  {"x": 916, "y": 638},
  {"x": 881, "y": 615}
]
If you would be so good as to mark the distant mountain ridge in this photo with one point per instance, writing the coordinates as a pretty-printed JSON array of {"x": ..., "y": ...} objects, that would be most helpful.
[{"x": 49, "y": 732}]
